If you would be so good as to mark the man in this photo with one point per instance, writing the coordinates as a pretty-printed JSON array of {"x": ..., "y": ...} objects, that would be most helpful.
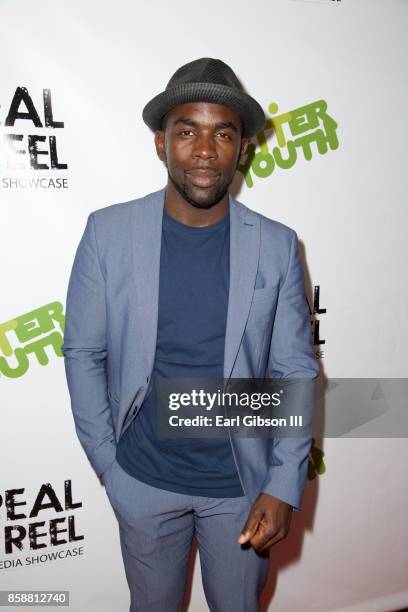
[{"x": 231, "y": 304}]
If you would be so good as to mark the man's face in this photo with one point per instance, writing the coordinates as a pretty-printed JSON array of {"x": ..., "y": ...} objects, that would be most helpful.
[{"x": 201, "y": 146}]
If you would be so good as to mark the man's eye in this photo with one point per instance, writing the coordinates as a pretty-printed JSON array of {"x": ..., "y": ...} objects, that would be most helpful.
[
  {"x": 184, "y": 132},
  {"x": 224, "y": 135}
]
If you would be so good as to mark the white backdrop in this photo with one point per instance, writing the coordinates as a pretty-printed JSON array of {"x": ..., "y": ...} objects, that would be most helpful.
[{"x": 347, "y": 549}]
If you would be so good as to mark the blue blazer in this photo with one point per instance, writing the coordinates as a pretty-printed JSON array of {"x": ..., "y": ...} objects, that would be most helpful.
[{"x": 111, "y": 327}]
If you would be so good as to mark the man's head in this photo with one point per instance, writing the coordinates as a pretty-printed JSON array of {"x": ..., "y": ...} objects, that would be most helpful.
[
  {"x": 203, "y": 122},
  {"x": 201, "y": 145}
]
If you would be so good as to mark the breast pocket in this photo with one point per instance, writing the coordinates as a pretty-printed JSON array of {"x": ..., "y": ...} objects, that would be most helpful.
[
  {"x": 265, "y": 294},
  {"x": 262, "y": 309}
]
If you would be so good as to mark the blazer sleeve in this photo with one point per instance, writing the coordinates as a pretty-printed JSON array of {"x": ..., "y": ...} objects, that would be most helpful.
[
  {"x": 291, "y": 356},
  {"x": 85, "y": 352}
]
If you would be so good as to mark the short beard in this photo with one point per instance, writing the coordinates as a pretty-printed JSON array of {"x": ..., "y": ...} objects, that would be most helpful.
[{"x": 182, "y": 190}]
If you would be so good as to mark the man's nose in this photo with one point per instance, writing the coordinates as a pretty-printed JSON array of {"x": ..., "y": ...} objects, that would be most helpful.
[{"x": 204, "y": 147}]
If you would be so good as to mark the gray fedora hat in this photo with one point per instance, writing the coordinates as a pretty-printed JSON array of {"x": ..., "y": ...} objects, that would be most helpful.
[{"x": 206, "y": 80}]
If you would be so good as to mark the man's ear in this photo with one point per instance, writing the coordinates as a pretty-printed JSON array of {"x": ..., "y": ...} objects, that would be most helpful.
[{"x": 159, "y": 143}]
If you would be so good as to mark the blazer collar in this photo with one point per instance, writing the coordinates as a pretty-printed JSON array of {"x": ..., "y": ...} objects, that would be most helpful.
[{"x": 244, "y": 256}]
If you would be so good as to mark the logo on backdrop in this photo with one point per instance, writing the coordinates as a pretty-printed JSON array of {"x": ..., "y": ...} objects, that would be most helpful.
[
  {"x": 29, "y": 336},
  {"x": 317, "y": 310},
  {"x": 30, "y": 155},
  {"x": 303, "y": 130},
  {"x": 24, "y": 530}
]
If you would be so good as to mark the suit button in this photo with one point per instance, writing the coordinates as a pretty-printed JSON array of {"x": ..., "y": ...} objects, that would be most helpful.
[{"x": 147, "y": 379}]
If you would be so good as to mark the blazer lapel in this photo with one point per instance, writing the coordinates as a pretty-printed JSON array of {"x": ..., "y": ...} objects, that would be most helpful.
[
  {"x": 147, "y": 232},
  {"x": 244, "y": 257}
]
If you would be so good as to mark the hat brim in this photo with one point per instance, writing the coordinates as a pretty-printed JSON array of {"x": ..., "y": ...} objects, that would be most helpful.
[{"x": 241, "y": 102}]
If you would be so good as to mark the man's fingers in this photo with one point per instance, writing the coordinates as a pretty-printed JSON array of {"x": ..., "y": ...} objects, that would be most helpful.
[
  {"x": 269, "y": 536},
  {"x": 268, "y": 522},
  {"x": 264, "y": 533},
  {"x": 277, "y": 537},
  {"x": 250, "y": 527}
]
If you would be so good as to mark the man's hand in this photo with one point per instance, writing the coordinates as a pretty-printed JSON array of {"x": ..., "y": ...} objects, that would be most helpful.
[{"x": 268, "y": 522}]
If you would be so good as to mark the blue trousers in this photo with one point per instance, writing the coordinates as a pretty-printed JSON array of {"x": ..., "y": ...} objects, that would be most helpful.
[{"x": 156, "y": 528}]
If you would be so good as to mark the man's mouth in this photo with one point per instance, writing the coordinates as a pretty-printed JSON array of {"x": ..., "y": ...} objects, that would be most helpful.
[{"x": 203, "y": 177}]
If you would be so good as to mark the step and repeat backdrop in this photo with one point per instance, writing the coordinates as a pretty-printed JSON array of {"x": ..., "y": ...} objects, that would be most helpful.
[{"x": 330, "y": 162}]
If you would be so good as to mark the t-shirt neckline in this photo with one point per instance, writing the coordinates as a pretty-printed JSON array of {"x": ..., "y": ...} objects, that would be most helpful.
[{"x": 171, "y": 221}]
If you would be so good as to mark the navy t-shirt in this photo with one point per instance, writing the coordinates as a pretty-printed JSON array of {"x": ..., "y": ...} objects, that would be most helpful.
[{"x": 193, "y": 302}]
